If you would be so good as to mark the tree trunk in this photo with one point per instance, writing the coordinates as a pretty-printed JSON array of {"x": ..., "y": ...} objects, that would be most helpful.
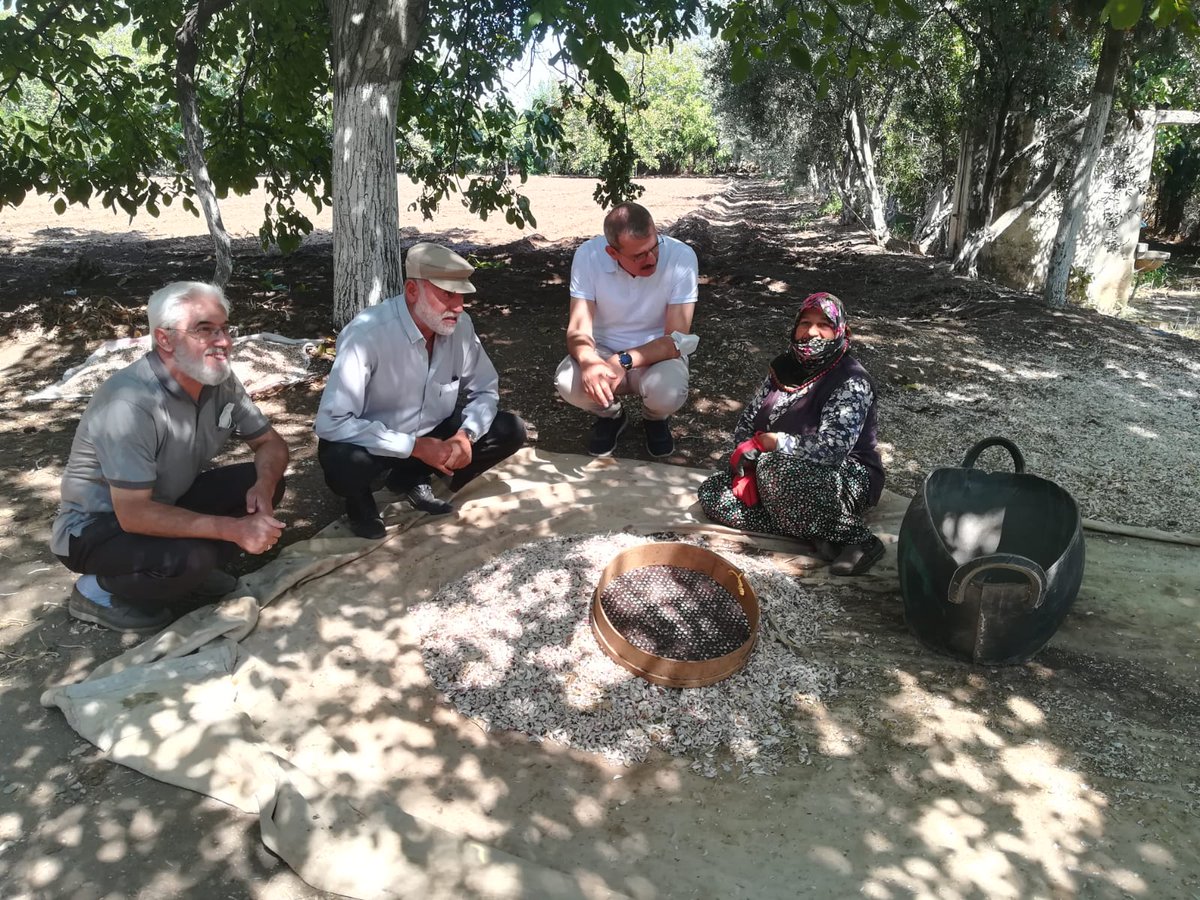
[
  {"x": 372, "y": 43},
  {"x": 965, "y": 204},
  {"x": 931, "y": 229},
  {"x": 846, "y": 189},
  {"x": 956, "y": 229},
  {"x": 967, "y": 261},
  {"x": 859, "y": 144},
  {"x": 187, "y": 52},
  {"x": 1050, "y": 139},
  {"x": 1062, "y": 253},
  {"x": 987, "y": 190}
]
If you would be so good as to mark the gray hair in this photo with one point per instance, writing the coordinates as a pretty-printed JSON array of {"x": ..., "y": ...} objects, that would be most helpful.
[
  {"x": 165, "y": 309},
  {"x": 631, "y": 219}
]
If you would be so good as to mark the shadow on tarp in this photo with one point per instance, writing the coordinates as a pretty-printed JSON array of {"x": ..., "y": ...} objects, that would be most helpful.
[{"x": 315, "y": 713}]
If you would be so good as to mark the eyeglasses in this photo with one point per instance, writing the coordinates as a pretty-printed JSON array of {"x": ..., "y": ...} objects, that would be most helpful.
[
  {"x": 209, "y": 333},
  {"x": 645, "y": 254}
]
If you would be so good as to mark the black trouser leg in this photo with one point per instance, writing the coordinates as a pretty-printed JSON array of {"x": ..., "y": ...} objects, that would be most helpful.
[
  {"x": 409, "y": 472},
  {"x": 151, "y": 572},
  {"x": 350, "y": 470},
  {"x": 503, "y": 439}
]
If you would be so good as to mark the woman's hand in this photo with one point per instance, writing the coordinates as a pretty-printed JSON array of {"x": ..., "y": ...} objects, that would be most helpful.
[{"x": 769, "y": 440}]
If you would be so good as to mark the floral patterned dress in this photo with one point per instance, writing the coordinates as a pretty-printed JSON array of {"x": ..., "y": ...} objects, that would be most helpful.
[{"x": 809, "y": 486}]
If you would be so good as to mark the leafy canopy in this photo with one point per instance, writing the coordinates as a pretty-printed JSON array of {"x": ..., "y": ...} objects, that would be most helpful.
[{"x": 87, "y": 100}]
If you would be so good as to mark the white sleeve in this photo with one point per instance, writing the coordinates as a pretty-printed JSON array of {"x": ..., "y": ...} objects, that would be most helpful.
[
  {"x": 685, "y": 277},
  {"x": 583, "y": 275},
  {"x": 483, "y": 388},
  {"x": 339, "y": 417}
]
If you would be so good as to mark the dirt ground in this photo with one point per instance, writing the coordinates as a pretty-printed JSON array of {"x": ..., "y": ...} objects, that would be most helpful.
[{"x": 955, "y": 361}]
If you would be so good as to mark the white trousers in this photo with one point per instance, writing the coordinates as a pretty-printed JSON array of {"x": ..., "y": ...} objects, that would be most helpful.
[{"x": 663, "y": 387}]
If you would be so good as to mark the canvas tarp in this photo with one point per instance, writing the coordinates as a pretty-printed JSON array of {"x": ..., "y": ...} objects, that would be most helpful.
[{"x": 305, "y": 702}]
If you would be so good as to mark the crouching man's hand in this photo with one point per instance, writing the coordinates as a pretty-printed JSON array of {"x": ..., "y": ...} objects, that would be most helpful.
[
  {"x": 461, "y": 451},
  {"x": 434, "y": 452},
  {"x": 601, "y": 378},
  {"x": 257, "y": 533}
]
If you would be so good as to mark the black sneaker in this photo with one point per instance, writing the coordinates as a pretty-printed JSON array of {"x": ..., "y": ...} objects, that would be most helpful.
[
  {"x": 120, "y": 616},
  {"x": 603, "y": 440},
  {"x": 659, "y": 442},
  {"x": 216, "y": 584},
  {"x": 364, "y": 518},
  {"x": 857, "y": 559},
  {"x": 421, "y": 496}
]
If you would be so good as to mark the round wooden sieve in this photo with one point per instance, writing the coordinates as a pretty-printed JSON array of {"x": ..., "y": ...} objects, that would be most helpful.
[{"x": 662, "y": 670}]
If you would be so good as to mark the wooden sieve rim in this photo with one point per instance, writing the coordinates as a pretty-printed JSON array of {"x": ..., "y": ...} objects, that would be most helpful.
[{"x": 660, "y": 669}]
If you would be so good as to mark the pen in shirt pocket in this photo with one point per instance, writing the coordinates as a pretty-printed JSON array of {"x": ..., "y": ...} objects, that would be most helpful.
[{"x": 226, "y": 417}]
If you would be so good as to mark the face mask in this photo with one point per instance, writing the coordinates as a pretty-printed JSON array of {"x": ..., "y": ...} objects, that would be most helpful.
[{"x": 805, "y": 350}]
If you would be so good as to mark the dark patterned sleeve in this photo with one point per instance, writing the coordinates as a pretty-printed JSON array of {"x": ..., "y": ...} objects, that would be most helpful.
[
  {"x": 744, "y": 430},
  {"x": 842, "y": 420}
]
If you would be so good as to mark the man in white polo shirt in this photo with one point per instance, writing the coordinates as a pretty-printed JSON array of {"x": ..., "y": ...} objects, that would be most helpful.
[{"x": 633, "y": 292}]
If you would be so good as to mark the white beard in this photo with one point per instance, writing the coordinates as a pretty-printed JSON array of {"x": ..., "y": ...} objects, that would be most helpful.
[
  {"x": 430, "y": 314},
  {"x": 210, "y": 371}
]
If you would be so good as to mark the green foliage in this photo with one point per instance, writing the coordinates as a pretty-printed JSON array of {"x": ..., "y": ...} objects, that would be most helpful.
[
  {"x": 832, "y": 206},
  {"x": 1165, "y": 73},
  {"x": 88, "y": 106},
  {"x": 921, "y": 129},
  {"x": 452, "y": 95},
  {"x": 1156, "y": 279},
  {"x": 924, "y": 74},
  {"x": 1078, "y": 284},
  {"x": 669, "y": 119},
  {"x": 66, "y": 76},
  {"x": 1126, "y": 14},
  {"x": 111, "y": 126},
  {"x": 786, "y": 80}
]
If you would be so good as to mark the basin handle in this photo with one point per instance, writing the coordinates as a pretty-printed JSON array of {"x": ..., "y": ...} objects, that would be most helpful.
[
  {"x": 1014, "y": 451},
  {"x": 972, "y": 569}
]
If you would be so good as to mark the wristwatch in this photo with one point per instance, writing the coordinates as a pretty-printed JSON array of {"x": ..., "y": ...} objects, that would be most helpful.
[
  {"x": 471, "y": 435},
  {"x": 625, "y": 359}
]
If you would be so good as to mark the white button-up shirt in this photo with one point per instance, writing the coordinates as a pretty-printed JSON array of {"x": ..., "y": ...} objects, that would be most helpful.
[{"x": 386, "y": 390}]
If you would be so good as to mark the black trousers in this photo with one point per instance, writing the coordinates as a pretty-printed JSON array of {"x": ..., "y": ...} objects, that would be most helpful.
[
  {"x": 152, "y": 572},
  {"x": 350, "y": 470}
]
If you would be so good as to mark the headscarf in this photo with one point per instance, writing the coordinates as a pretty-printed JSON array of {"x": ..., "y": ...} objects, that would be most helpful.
[{"x": 804, "y": 362}]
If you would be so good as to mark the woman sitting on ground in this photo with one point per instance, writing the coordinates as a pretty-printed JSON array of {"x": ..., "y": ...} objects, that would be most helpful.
[{"x": 805, "y": 463}]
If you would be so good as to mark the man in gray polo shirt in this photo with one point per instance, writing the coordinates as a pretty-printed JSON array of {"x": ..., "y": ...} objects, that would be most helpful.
[
  {"x": 391, "y": 403},
  {"x": 139, "y": 520}
]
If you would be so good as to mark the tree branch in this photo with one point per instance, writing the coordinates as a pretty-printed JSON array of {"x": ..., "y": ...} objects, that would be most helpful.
[
  {"x": 971, "y": 35},
  {"x": 49, "y": 14},
  {"x": 187, "y": 50}
]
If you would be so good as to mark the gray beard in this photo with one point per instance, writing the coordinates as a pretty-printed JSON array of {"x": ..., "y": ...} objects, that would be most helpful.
[{"x": 194, "y": 368}]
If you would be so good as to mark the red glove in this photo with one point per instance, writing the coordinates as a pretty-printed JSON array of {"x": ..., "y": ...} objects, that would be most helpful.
[{"x": 743, "y": 462}]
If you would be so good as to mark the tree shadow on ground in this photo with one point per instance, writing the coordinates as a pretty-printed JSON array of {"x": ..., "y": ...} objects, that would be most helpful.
[{"x": 900, "y": 821}]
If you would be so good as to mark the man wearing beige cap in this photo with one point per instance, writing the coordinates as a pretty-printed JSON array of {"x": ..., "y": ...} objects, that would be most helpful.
[{"x": 391, "y": 404}]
